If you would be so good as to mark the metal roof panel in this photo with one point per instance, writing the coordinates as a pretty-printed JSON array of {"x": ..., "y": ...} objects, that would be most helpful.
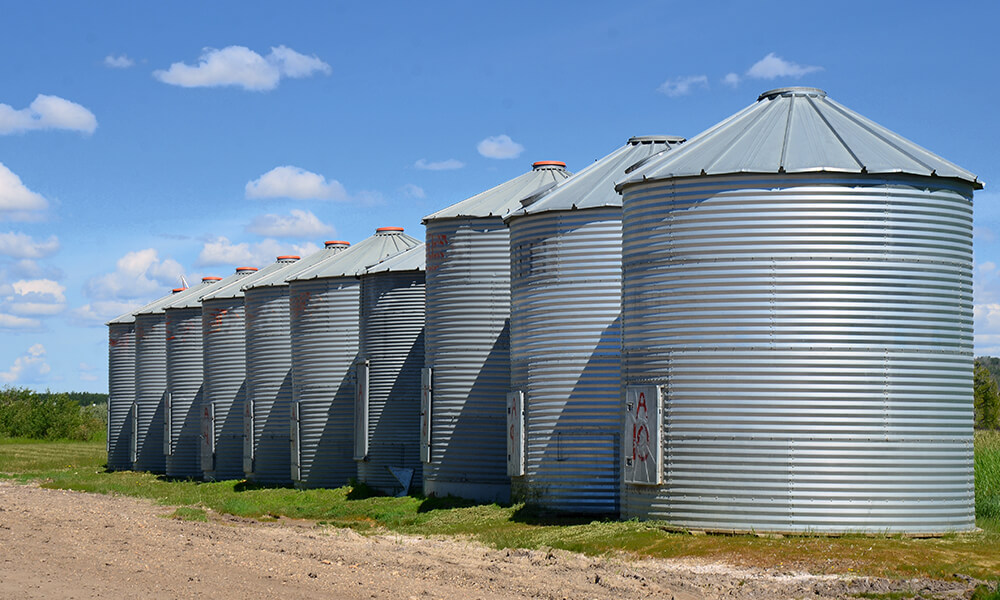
[
  {"x": 505, "y": 198},
  {"x": 386, "y": 242}
]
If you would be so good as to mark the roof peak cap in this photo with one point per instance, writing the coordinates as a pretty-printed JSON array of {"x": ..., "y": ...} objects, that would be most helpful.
[{"x": 792, "y": 91}]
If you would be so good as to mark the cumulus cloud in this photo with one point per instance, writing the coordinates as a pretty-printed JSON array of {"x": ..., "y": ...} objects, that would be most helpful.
[
  {"x": 12, "y": 322},
  {"x": 772, "y": 66},
  {"x": 221, "y": 251},
  {"x": 99, "y": 312},
  {"x": 682, "y": 86},
  {"x": 27, "y": 368},
  {"x": 292, "y": 182},
  {"x": 33, "y": 298},
  {"x": 19, "y": 245},
  {"x": 441, "y": 165},
  {"x": 17, "y": 202},
  {"x": 500, "y": 146},
  {"x": 118, "y": 62},
  {"x": 139, "y": 274},
  {"x": 299, "y": 224},
  {"x": 242, "y": 67},
  {"x": 731, "y": 79},
  {"x": 86, "y": 372},
  {"x": 47, "y": 112},
  {"x": 413, "y": 191}
]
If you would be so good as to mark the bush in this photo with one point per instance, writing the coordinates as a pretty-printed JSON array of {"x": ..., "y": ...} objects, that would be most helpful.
[
  {"x": 986, "y": 397},
  {"x": 26, "y": 414}
]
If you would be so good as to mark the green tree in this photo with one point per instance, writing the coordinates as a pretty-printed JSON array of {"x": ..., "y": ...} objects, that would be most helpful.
[{"x": 987, "y": 398}]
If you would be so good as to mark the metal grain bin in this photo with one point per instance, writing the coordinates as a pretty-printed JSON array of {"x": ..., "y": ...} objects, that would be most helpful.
[
  {"x": 565, "y": 252},
  {"x": 182, "y": 404},
  {"x": 148, "y": 417},
  {"x": 467, "y": 352},
  {"x": 797, "y": 300},
  {"x": 387, "y": 406},
  {"x": 267, "y": 412},
  {"x": 325, "y": 308},
  {"x": 223, "y": 320}
]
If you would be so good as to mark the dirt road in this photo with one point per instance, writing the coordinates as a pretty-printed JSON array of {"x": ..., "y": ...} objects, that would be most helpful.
[{"x": 59, "y": 544}]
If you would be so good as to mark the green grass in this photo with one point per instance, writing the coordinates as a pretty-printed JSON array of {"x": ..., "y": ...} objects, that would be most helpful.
[{"x": 80, "y": 466}]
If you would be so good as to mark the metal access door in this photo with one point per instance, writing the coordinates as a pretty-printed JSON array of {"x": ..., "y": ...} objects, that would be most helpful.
[
  {"x": 426, "y": 396},
  {"x": 643, "y": 452},
  {"x": 361, "y": 410},
  {"x": 515, "y": 434}
]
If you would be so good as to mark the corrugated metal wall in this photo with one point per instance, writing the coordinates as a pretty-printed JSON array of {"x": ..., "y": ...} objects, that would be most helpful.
[
  {"x": 814, "y": 335},
  {"x": 224, "y": 343},
  {"x": 121, "y": 394},
  {"x": 324, "y": 331},
  {"x": 565, "y": 356},
  {"x": 468, "y": 351},
  {"x": 150, "y": 388},
  {"x": 392, "y": 340},
  {"x": 269, "y": 384},
  {"x": 182, "y": 412}
]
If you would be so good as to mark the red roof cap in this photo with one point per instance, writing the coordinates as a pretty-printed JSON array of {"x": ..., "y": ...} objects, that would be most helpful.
[
  {"x": 336, "y": 243},
  {"x": 175, "y": 290},
  {"x": 242, "y": 269},
  {"x": 210, "y": 278},
  {"x": 548, "y": 163},
  {"x": 289, "y": 257},
  {"x": 384, "y": 229}
]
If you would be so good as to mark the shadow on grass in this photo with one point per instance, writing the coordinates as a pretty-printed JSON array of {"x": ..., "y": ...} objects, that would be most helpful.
[
  {"x": 531, "y": 514},
  {"x": 448, "y": 502},
  {"x": 250, "y": 486}
]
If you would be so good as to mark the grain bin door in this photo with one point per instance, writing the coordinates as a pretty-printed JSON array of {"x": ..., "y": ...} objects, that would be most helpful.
[
  {"x": 643, "y": 452},
  {"x": 515, "y": 434},
  {"x": 248, "y": 428},
  {"x": 361, "y": 410},
  {"x": 168, "y": 445},
  {"x": 296, "y": 444},
  {"x": 426, "y": 392},
  {"x": 208, "y": 437}
]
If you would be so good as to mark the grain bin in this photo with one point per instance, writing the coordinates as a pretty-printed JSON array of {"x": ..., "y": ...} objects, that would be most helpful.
[
  {"x": 391, "y": 354},
  {"x": 182, "y": 403},
  {"x": 121, "y": 390},
  {"x": 325, "y": 308},
  {"x": 267, "y": 412},
  {"x": 223, "y": 321},
  {"x": 467, "y": 352},
  {"x": 148, "y": 420},
  {"x": 797, "y": 300},
  {"x": 565, "y": 253}
]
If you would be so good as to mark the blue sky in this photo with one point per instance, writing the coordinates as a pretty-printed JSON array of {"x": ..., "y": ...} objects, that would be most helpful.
[{"x": 140, "y": 141}]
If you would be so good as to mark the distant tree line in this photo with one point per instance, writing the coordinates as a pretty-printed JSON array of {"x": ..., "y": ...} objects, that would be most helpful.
[
  {"x": 81, "y": 398},
  {"x": 25, "y": 413},
  {"x": 986, "y": 393}
]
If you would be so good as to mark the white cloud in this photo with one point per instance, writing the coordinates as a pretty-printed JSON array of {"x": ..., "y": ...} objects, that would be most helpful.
[
  {"x": 292, "y": 182},
  {"x": 682, "y": 86},
  {"x": 118, "y": 62},
  {"x": 139, "y": 274},
  {"x": 13, "y": 322},
  {"x": 40, "y": 287},
  {"x": 441, "y": 165},
  {"x": 34, "y": 298},
  {"x": 17, "y": 202},
  {"x": 19, "y": 245},
  {"x": 241, "y": 66},
  {"x": 47, "y": 112},
  {"x": 771, "y": 67},
  {"x": 731, "y": 79},
  {"x": 413, "y": 191},
  {"x": 987, "y": 266},
  {"x": 29, "y": 367},
  {"x": 102, "y": 311},
  {"x": 221, "y": 251},
  {"x": 500, "y": 146},
  {"x": 86, "y": 372},
  {"x": 299, "y": 224}
]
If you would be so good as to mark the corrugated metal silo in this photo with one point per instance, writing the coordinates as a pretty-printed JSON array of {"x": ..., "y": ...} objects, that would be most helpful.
[
  {"x": 391, "y": 354},
  {"x": 797, "y": 301},
  {"x": 325, "y": 307},
  {"x": 467, "y": 351},
  {"x": 565, "y": 253},
  {"x": 267, "y": 412},
  {"x": 182, "y": 403},
  {"x": 224, "y": 341},
  {"x": 148, "y": 416}
]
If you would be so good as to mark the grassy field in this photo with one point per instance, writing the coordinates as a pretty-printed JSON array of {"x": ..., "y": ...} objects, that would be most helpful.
[{"x": 80, "y": 466}]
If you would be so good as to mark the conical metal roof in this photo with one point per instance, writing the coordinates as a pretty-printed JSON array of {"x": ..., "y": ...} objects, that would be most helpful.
[
  {"x": 129, "y": 317},
  {"x": 279, "y": 277},
  {"x": 232, "y": 286},
  {"x": 412, "y": 259},
  {"x": 594, "y": 186},
  {"x": 798, "y": 130},
  {"x": 180, "y": 297},
  {"x": 387, "y": 241},
  {"x": 506, "y": 197}
]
